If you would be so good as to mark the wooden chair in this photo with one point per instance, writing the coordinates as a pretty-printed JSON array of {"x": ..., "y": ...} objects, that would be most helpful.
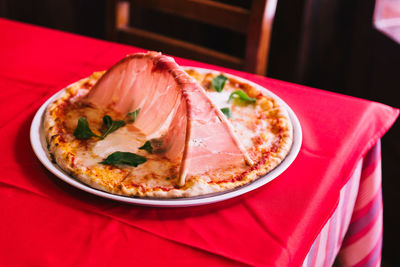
[{"x": 253, "y": 23}]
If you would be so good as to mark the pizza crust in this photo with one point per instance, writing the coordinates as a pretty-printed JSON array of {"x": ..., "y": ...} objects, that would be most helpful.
[{"x": 264, "y": 129}]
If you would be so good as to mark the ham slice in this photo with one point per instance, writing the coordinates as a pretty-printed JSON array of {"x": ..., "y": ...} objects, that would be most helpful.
[{"x": 173, "y": 108}]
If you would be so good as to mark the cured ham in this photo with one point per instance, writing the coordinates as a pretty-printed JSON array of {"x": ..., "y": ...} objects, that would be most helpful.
[{"x": 174, "y": 109}]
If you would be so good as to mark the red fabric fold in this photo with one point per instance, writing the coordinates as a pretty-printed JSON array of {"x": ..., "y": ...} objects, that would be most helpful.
[{"x": 45, "y": 221}]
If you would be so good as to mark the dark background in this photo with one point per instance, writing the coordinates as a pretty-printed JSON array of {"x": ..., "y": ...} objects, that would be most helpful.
[{"x": 327, "y": 44}]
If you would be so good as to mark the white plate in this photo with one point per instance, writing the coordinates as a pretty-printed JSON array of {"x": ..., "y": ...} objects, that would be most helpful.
[{"x": 39, "y": 146}]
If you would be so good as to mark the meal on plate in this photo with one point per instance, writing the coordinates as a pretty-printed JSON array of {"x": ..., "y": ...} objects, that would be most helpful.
[{"x": 150, "y": 128}]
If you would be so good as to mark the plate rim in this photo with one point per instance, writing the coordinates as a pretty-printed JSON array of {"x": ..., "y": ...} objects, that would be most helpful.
[{"x": 39, "y": 148}]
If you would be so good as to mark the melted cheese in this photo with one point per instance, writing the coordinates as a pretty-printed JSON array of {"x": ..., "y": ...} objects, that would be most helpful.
[
  {"x": 220, "y": 99},
  {"x": 123, "y": 139}
]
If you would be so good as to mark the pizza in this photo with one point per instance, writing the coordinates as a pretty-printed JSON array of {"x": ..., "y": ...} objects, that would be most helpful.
[{"x": 149, "y": 128}]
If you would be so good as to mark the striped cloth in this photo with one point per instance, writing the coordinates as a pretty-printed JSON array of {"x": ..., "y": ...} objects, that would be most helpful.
[{"x": 354, "y": 232}]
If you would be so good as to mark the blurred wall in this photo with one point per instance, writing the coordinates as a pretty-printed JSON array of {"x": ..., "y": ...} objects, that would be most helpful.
[{"x": 79, "y": 16}]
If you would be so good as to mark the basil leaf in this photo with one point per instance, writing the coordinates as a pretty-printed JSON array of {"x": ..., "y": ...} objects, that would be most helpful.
[
  {"x": 241, "y": 95},
  {"x": 133, "y": 115},
  {"x": 83, "y": 131},
  {"x": 227, "y": 112},
  {"x": 147, "y": 146},
  {"x": 125, "y": 158},
  {"x": 111, "y": 126},
  {"x": 107, "y": 120},
  {"x": 219, "y": 82}
]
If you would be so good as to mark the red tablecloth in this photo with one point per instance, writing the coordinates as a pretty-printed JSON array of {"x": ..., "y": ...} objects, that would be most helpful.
[{"x": 46, "y": 222}]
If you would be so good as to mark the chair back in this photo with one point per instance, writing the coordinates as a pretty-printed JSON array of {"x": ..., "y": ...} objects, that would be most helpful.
[{"x": 150, "y": 24}]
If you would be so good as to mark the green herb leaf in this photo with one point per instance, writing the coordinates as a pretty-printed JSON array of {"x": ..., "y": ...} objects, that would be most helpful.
[
  {"x": 83, "y": 131},
  {"x": 219, "y": 82},
  {"x": 227, "y": 112},
  {"x": 147, "y": 146},
  {"x": 133, "y": 115},
  {"x": 241, "y": 95},
  {"x": 125, "y": 158},
  {"x": 111, "y": 126}
]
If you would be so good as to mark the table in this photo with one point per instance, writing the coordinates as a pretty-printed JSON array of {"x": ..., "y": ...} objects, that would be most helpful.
[{"x": 327, "y": 202}]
